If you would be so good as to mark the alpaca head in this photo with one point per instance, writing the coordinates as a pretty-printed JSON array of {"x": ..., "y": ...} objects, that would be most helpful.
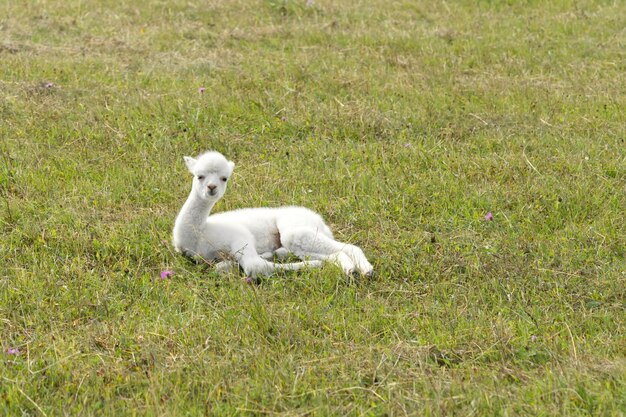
[{"x": 211, "y": 172}]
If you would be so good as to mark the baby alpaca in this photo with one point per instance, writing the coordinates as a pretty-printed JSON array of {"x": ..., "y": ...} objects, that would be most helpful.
[{"x": 252, "y": 236}]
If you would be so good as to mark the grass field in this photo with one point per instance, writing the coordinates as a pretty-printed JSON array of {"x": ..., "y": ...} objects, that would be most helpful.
[{"x": 403, "y": 123}]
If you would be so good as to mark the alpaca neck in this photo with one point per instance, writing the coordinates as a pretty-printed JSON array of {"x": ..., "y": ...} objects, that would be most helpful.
[
  {"x": 195, "y": 211},
  {"x": 191, "y": 223}
]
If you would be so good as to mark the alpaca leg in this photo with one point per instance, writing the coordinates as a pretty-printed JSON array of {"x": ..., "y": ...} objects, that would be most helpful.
[
  {"x": 305, "y": 241},
  {"x": 254, "y": 265},
  {"x": 259, "y": 266},
  {"x": 294, "y": 266}
]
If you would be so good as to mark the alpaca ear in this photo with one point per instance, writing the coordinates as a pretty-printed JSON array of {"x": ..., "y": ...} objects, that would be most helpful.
[
  {"x": 190, "y": 162},
  {"x": 231, "y": 164}
]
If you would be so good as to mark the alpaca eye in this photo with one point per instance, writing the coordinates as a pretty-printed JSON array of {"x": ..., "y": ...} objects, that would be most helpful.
[
  {"x": 224, "y": 179},
  {"x": 200, "y": 177}
]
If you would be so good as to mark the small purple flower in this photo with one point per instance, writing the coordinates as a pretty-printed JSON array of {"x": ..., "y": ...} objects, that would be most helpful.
[
  {"x": 201, "y": 90},
  {"x": 407, "y": 145},
  {"x": 250, "y": 280},
  {"x": 310, "y": 3},
  {"x": 533, "y": 338},
  {"x": 166, "y": 274},
  {"x": 13, "y": 351},
  {"x": 283, "y": 118},
  {"x": 48, "y": 85},
  {"x": 489, "y": 216}
]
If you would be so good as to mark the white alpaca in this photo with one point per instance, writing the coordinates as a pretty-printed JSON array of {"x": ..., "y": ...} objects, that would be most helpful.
[{"x": 251, "y": 236}]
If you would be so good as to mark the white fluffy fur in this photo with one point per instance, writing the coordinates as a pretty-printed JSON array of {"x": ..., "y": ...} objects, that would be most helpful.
[{"x": 252, "y": 236}]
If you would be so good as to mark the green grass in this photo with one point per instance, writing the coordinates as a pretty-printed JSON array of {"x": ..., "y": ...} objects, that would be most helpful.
[{"x": 402, "y": 123}]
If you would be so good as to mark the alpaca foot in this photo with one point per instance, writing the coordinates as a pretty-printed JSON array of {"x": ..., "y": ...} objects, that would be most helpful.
[
  {"x": 361, "y": 263},
  {"x": 268, "y": 256},
  {"x": 226, "y": 267},
  {"x": 366, "y": 268},
  {"x": 280, "y": 253}
]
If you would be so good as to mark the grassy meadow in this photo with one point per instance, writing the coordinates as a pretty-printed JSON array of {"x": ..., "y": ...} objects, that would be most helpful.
[{"x": 403, "y": 123}]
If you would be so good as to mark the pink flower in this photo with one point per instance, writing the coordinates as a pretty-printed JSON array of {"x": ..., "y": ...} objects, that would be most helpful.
[
  {"x": 13, "y": 351},
  {"x": 201, "y": 90},
  {"x": 489, "y": 216},
  {"x": 166, "y": 274}
]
